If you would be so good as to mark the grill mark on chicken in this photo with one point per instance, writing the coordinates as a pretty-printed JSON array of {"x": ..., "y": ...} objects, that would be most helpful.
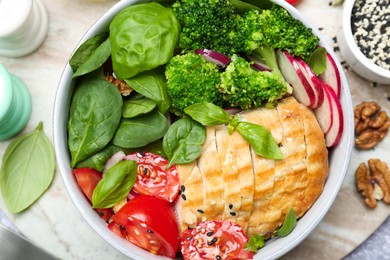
[
  {"x": 210, "y": 168},
  {"x": 263, "y": 168},
  {"x": 231, "y": 180},
  {"x": 317, "y": 157},
  {"x": 191, "y": 178}
]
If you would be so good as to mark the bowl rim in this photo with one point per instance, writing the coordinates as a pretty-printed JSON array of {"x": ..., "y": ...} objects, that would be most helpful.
[
  {"x": 275, "y": 248},
  {"x": 354, "y": 48}
]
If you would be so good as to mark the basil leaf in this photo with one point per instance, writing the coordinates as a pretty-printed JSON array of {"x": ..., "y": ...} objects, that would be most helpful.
[
  {"x": 289, "y": 224},
  {"x": 95, "y": 60},
  {"x": 115, "y": 185},
  {"x": 95, "y": 113},
  {"x": 86, "y": 49},
  {"x": 143, "y": 37},
  {"x": 207, "y": 114},
  {"x": 261, "y": 140},
  {"x": 136, "y": 107},
  {"x": 183, "y": 141},
  {"x": 141, "y": 130},
  {"x": 254, "y": 243},
  {"x": 152, "y": 84},
  {"x": 27, "y": 169},
  {"x": 317, "y": 61}
]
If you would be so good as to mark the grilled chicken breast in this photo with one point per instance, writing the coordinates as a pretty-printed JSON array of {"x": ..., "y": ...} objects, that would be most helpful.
[{"x": 229, "y": 181}]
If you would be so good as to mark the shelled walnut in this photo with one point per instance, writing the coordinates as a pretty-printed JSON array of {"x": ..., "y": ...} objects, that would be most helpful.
[
  {"x": 371, "y": 125},
  {"x": 122, "y": 86},
  {"x": 373, "y": 182}
]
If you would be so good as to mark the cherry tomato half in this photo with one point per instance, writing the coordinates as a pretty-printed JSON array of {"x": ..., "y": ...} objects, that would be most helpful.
[
  {"x": 88, "y": 178},
  {"x": 215, "y": 239},
  {"x": 292, "y": 2},
  {"x": 153, "y": 177},
  {"x": 150, "y": 223}
]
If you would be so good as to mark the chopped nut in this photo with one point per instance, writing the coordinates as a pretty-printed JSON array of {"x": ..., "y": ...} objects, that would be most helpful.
[
  {"x": 371, "y": 125},
  {"x": 373, "y": 182},
  {"x": 122, "y": 86}
]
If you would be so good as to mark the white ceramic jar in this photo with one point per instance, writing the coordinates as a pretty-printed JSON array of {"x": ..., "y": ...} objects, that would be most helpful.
[{"x": 23, "y": 26}]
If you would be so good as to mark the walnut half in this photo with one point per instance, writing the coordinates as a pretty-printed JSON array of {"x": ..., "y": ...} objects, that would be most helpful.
[
  {"x": 373, "y": 182},
  {"x": 371, "y": 125}
]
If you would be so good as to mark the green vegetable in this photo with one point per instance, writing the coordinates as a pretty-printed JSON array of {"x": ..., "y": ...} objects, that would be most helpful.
[
  {"x": 190, "y": 80},
  {"x": 288, "y": 225},
  {"x": 86, "y": 49},
  {"x": 317, "y": 61},
  {"x": 152, "y": 84},
  {"x": 133, "y": 108},
  {"x": 183, "y": 141},
  {"x": 115, "y": 185},
  {"x": 27, "y": 169},
  {"x": 95, "y": 112},
  {"x": 95, "y": 60},
  {"x": 207, "y": 114},
  {"x": 260, "y": 139},
  {"x": 254, "y": 243},
  {"x": 206, "y": 24},
  {"x": 143, "y": 37},
  {"x": 246, "y": 88},
  {"x": 141, "y": 130}
]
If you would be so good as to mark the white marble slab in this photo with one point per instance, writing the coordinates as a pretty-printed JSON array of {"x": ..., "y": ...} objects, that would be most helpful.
[{"x": 54, "y": 223}]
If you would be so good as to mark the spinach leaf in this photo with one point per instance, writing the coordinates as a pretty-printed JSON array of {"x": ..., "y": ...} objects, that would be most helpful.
[
  {"x": 141, "y": 130},
  {"x": 317, "y": 61},
  {"x": 254, "y": 243},
  {"x": 95, "y": 60},
  {"x": 115, "y": 185},
  {"x": 183, "y": 141},
  {"x": 95, "y": 113},
  {"x": 152, "y": 84},
  {"x": 86, "y": 49},
  {"x": 289, "y": 224},
  {"x": 207, "y": 114},
  {"x": 136, "y": 107},
  {"x": 261, "y": 140},
  {"x": 143, "y": 37},
  {"x": 27, "y": 169}
]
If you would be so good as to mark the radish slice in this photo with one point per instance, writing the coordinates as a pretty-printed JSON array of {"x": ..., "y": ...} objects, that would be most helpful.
[
  {"x": 214, "y": 57},
  {"x": 293, "y": 74},
  {"x": 324, "y": 113},
  {"x": 258, "y": 65},
  {"x": 333, "y": 136},
  {"x": 331, "y": 75},
  {"x": 117, "y": 157}
]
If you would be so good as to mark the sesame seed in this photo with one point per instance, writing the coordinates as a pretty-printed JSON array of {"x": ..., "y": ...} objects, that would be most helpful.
[
  {"x": 212, "y": 241},
  {"x": 233, "y": 213},
  {"x": 183, "y": 196},
  {"x": 209, "y": 234},
  {"x": 200, "y": 211},
  {"x": 182, "y": 188}
]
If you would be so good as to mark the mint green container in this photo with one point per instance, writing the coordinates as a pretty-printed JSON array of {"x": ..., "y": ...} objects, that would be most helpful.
[{"x": 15, "y": 104}]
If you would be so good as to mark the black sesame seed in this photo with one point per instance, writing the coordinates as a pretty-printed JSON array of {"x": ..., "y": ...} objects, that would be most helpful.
[
  {"x": 122, "y": 227},
  {"x": 230, "y": 206},
  {"x": 183, "y": 196},
  {"x": 189, "y": 238},
  {"x": 145, "y": 171},
  {"x": 218, "y": 257},
  {"x": 200, "y": 211},
  {"x": 149, "y": 231},
  {"x": 179, "y": 192},
  {"x": 233, "y": 213},
  {"x": 142, "y": 154},
  {"x": 182, "y": 188},
  {"x": 212, "y": 241},
  {"x": 209, "y": 234}
]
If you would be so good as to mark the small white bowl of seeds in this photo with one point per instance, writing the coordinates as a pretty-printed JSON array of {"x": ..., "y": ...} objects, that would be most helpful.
[{"x": 364, "y": 38}]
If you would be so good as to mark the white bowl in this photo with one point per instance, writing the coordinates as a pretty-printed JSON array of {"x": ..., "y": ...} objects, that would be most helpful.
[
  {"x": 352, "y": 54},
  {"x": 339, "y": 157}
]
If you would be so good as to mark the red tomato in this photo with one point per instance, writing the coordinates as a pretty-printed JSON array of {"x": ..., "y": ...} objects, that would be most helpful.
[
  {"x": 150, "y": 224},
  {"x": 153, "y": 177},
  {"x": 88, "y": 178},
  {"x": 215, "y": 239},
  {"x": 292, "y": 2}
]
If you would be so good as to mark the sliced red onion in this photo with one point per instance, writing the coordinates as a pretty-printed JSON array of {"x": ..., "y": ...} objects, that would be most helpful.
[
  {"x": 258, "y": 65},
  {"x": 117, "y": 157},
  {"x": 132, "y": 194},
  {"x": 214, "y": 57}
]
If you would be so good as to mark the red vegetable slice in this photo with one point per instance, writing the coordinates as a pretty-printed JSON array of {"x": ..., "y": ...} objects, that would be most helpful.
[
  {"x": 150, "y": 223},
  {"x": 215, "y": 239},
  {"x": 88, "y": 178},
  {"x": 153, "y": 177},
  {"x": 292, "y": 2},
  {"x": 214, "y": 57}
]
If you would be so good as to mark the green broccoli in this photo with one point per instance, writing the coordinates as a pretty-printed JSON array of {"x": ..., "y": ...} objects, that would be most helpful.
[
  {"x": 275, "y": 28},
  {"x": 245, "y": 87},
  {"x": 192, "y": 79},
  {"x": 206, "y": 24}
]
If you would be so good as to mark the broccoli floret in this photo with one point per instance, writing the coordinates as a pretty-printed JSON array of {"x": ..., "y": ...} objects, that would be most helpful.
[
  {"x": 206, "y": 24},
  {"x": 247, "y": 88},
  {"x": 192, "y": 79},
  {"x": 275, "y": 28}
]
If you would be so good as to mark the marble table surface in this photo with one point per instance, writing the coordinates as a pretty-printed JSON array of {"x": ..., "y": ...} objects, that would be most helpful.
[{"x": 53, "y": 222}]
